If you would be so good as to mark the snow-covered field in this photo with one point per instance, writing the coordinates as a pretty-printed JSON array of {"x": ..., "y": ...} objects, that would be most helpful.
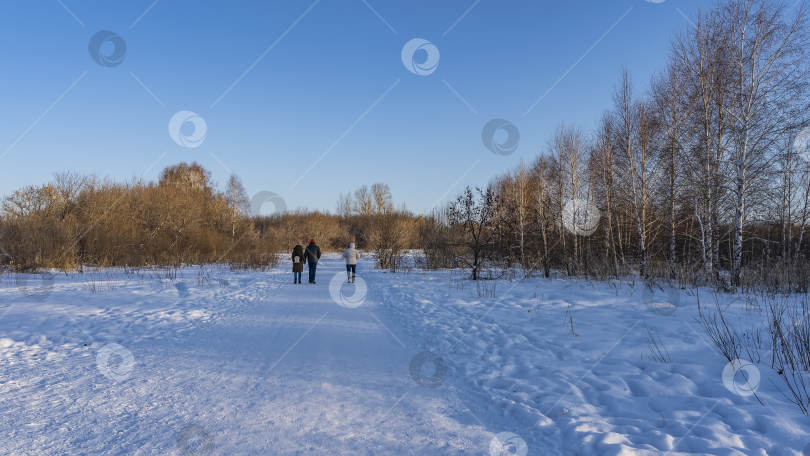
[{"x": 219, "y": 362}]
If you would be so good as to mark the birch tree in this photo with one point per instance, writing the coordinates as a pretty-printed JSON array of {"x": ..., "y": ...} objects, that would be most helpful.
[{"x": 765, "y": 50}]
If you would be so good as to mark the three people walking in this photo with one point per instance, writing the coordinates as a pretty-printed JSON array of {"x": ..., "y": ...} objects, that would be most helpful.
[{"x": 312, "y": 253}]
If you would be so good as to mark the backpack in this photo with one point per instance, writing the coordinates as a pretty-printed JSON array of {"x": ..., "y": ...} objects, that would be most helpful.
[{"x": 298, "y": 254}]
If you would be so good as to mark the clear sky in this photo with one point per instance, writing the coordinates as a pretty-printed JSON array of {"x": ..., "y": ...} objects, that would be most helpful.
[{"x": 309, "y": 99}]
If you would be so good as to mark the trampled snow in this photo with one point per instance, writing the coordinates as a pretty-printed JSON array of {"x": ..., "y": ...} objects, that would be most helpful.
[{"x": 214, "y": 361}]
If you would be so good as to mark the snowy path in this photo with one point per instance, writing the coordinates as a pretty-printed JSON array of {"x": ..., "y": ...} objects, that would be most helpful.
[
  {"x": 330, "y": 380},
  {"x": 226, "y": 362}
]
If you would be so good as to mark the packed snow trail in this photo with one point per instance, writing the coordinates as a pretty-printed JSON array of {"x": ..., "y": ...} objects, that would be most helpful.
[{"x": 327, "y": 379}]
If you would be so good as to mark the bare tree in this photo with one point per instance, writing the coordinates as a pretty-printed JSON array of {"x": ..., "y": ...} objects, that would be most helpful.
[
  {"x": 604, "y": 160},
  {"x": 345, "y": 205},
  {"x": 68, "y": 185},
  {"x": 363, "y": 201},
  {"x": 765, "y": 51},
  {"x": 545, "y": 218},
  {"x": 238, "y": 202},
  {"x": 671, "y": 105},
  {"x": 381, "y": 197},
  {"x": 697, "y": 53},
  {"x": 515, "y": 192},
  {"x": 637, "y": 131},
  {"x": 572, "y": 192},
  {"x": 472, "y": 214}
]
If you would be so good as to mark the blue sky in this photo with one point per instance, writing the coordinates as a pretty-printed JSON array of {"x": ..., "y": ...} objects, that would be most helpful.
[{"x": 285, "y": 85}]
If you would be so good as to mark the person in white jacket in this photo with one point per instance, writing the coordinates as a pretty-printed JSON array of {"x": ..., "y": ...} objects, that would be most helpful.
[{"x": 351, "y": 255}]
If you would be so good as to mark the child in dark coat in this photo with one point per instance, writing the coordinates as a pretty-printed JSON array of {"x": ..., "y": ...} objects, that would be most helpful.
[{"x": 298, "y": 263}]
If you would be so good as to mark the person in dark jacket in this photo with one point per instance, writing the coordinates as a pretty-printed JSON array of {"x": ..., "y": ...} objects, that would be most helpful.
[
  {"x": 298, "y": 262},
  {"x": 311, "y": 255}
]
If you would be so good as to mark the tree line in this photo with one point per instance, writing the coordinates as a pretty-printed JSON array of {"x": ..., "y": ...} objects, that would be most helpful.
[
  {"x": 76, "y": 220},
  {"x": 703, "y": 176}
]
